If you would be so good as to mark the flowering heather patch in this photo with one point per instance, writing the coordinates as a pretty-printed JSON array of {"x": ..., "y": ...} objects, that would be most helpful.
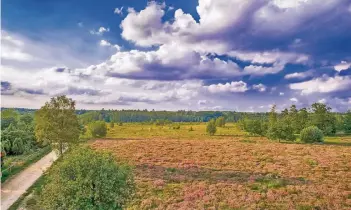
[{"x": 233, "y": 173}]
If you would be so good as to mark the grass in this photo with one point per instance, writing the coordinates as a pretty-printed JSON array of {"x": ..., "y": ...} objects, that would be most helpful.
[
  {"x": 145, "y": 131},
  {"x": 182, "y": 169},
  {"x": 15, "y": 164},
  {"x": 25, "y": 196}
]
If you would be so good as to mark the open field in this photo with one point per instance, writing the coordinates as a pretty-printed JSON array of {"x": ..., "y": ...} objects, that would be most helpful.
[{"x": 182, "y": 169}]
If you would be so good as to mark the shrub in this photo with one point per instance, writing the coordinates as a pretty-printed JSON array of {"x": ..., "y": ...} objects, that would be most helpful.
[
  {"x": 86, "y": 179},
  {"x": 191, "y": 128},
  {"x": 112, "y": 124},
  {"x": 255, "y": 127},
  {"x": 281, "y": 130},
  {"x": 98, "y": 129},
  {"x": 220, "y": 122},
  {"x": 211, "y": 127},
  {"x": 311, "y": 134},
  {"x": 177, "y": 127}
]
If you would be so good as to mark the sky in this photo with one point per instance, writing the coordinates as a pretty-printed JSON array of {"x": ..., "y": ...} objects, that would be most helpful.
[{"x": 177, "y": 55}]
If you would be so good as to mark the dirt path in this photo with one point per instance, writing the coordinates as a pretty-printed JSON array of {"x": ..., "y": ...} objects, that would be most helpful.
[{"x": 12, "y": 189}]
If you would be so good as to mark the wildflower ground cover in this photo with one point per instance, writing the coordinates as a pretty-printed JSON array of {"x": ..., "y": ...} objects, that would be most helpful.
[{"x": 183, "y": 169}]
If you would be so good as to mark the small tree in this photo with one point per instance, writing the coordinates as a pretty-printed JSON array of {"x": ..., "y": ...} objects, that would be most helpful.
[
  {"x": 220, "y": 122},
  {"x": 211, "y": 127},
  {"x": 347, "y": 122},
  {"x": 281, "y": 130},
  {"x": 311, "y": 134},
  {"x": 255, "y": 127},
  {"x": 98, "y": 129},
  {"x": 57, "y": 123},
  {"x": 86, "y": 179},
  {"x": 112, "y": 124}
]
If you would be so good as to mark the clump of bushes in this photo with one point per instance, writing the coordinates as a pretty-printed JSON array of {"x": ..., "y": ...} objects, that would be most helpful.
[
  {"x": 311, "y": 134},
  {"x": 86, "y": 179}
]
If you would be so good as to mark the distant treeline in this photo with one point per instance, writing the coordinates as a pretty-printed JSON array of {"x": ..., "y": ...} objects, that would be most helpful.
[
  {"x": 153, "y": 116},
  {"x": 87, "y": 116}
]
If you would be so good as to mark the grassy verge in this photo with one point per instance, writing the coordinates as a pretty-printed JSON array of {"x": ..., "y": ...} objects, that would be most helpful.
[
  {"x": 8, "y": 172},
  {"x": 36, "y": 186}
]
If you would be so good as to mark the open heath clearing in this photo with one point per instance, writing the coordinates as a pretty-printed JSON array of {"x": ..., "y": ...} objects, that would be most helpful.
[{"x": 183, "y": 169}]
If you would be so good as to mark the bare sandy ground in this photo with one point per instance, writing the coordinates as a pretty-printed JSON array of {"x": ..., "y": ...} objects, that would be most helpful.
[{"x": 13, "y": 188}]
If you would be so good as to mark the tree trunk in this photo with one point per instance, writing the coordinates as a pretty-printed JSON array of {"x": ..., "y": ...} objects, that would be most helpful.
[{"x": 61, "y": 148}]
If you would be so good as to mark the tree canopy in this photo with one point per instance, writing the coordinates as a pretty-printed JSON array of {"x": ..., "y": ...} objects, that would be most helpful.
[
  {"x": 86, "y": 179},
  {"x": 57, "y": 123}
]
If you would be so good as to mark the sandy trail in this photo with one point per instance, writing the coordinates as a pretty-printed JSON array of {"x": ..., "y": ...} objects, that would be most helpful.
[{"x": 13, "y": 188}]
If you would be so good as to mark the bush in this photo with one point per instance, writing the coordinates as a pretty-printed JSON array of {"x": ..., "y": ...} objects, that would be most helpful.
[
  {"x": 86, "y": 179},
  {"x": 311, "y": 134},
  {"x": 177, "y": 127},
  {"x": 211, "y": 127},
  {"x": 112, "y": 124},
  {"x": 281, "y": 130},
  {"x": 255, "y": 127},
  {"x": 191, "y": 128},
  {"x": 98, "y": 129},
  {"x": 220, "y": 122}
]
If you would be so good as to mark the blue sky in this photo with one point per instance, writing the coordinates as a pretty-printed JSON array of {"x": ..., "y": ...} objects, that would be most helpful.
[{"x": 171, "y": 55}]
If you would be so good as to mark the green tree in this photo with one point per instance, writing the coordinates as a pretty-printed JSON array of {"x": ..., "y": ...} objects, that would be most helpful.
[
  {"x": 323, "y": 118},
  {"x": 211, "y": 127},
  {"x": 8, "y": 117},
  {"x": 273, "y": 116},
  {"x": 98, "y": 129},
  {"x": 112, "y": 124},
  {"x": 282, "y": 130},
  {"x": 27, "y": 118},
  {"x": 56, "y": 123},
  {"x": 220, "y": 122},
  {"x": 255, "y": 126},
  {"x": 303, "y": 119},
  {"x": 87, "y": 179},
  {"x": 347, "y": 122},
  {"x": 18, "y": 139},
  {"x": 294, "y": 118},
  {"x": 285, "y": 113}
]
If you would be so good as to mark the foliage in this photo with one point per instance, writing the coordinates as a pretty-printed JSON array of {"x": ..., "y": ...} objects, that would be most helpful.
[
  {"x": 112, "y": 124},
  {"x": 11, "y": 168},
  {"x": 18, "y": 138},
  {"x": 164, "y": 117},
  {"x": 98, "y": 129},
  {"x": 255, "y": 126},
  {"x": 347, "y": 122},
  {"x": 281, "y": 130},
  {"x": 323, "y": 118},
  {"x": 220, "y": 122},
  {"x": 311, "y": 134},
  {"x": 57, "y": 123},
  {"x": 87, "y": 179},
  {"x": 303, "y": 119},
  {"x": 211, "y": 127},
  {"x": 8, "y": 117}
]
